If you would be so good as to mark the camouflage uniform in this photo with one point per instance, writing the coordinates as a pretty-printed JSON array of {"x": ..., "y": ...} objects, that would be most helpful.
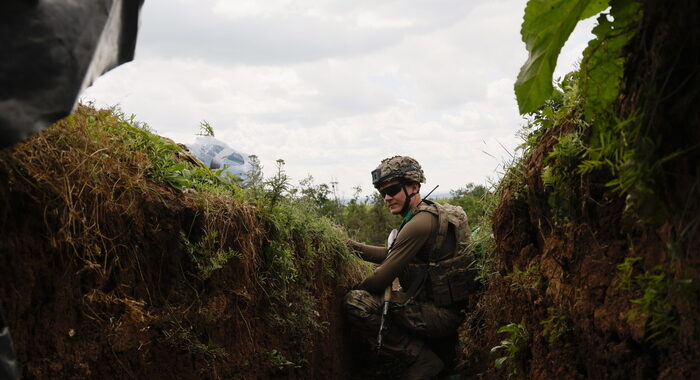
[{"x": 412, "y": 318}]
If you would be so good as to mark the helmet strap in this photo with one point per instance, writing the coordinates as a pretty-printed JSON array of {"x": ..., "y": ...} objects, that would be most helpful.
[{"x": 407, "y": 201}]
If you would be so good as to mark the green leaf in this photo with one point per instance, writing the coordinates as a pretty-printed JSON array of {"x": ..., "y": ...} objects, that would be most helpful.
[
  {"x": 546, "y": 27},
  {"x": 499, "y": 362},
  {"x": 595, "y": 7},
  {"x": 602, "y": 64}
]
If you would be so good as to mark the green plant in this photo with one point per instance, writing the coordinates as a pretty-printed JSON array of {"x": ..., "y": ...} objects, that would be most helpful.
[
  {"x": 602, "y": 63},
  {"x": 514, "y": 179},
  {"x": 653, "y": 307},
  {"x": 165, "y": 158},
  {"x": 482, "y": 247},
  {"x": 278, "y": 360},
  {"x": 183, "y": 335},
  {"x": 546, "y": 27},
  {"x": 625, "y": 270},
  {"x": 530, "y": 278},
  {"x": 277, "y": 185},
  {"x": 481, "y": 244},
  {"x": 560, "y": 175},
  {"x": 205, "y": 129},
  {"x": 624, "y": 147},
  {"x": 516, "y": 347},
  {"x": 554, "y": 327},
  {"x": 207, "y": 253},
  {"x": 302, "y": 246}
]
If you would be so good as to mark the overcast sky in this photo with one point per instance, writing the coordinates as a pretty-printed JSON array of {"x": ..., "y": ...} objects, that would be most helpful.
[{"x": 332, "y": 87}]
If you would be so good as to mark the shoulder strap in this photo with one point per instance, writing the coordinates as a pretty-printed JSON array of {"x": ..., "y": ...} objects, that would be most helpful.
[
  {"x": 441, "y": 233},
  {"x": 443, "y": 224}
]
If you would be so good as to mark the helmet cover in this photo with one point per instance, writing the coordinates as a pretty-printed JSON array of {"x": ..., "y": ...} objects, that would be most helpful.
[{"x": 403, "y": 168}]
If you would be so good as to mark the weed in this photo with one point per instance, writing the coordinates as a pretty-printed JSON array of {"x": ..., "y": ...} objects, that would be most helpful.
[
  {"x": 104, "y": 181},
  {"x": 561, "y": 177},
  {"x": 168, "y": 163},
  {"x": 205, "y": 129},
  {"x": 516, "y": 347},
  {"x": 182, "y": 334},
  {"x": 302, "y": 246},
  {"x": 529, "y": 279},
  {"x": 278, "y": 360},
  {"x": 514, "y": 179},
  {"x": 481, "y": 246},
  {"x": 554, "y": 327},
  {"x": 207, "y": 254},
  {"x": 625, "y": 270},
  {"x": 277, "y": 185},
  {"x": 653, "y": 306},
  {"x": 481, "y": 203}
]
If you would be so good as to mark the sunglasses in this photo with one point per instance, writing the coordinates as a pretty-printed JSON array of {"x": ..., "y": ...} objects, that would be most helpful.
[{"x": 391, "y": 190}]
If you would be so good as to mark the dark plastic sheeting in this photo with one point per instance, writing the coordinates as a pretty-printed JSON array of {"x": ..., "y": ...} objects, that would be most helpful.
[
  {"x": 50, "y": 51},
  {"x": 53, "y": 49}
]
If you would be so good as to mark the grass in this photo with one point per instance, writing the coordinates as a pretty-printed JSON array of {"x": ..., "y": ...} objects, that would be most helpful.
[
  {"x": 105, "y": 179},
  {"x": 528, "y": 279}
]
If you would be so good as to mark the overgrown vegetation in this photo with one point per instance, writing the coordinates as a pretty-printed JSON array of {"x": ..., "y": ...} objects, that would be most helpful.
[
  {"x": 528, "y": 279},
  {"x": 650, "y": 303},
  {"x": 585, "y": 101},
  {"x": 614, "y": 146},
  {"x": 516, "y": 347},
  {"x": 554, "y": 327},
  {"x": 105, "y": 179}
]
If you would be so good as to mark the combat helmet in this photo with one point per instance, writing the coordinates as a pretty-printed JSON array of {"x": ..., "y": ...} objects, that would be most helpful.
[{"x": 403, "y": 168}]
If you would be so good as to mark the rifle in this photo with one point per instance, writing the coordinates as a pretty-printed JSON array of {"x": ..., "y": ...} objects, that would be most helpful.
[
  {"x": 387, "y": 291},
  {"x": 385, "y": 310}
]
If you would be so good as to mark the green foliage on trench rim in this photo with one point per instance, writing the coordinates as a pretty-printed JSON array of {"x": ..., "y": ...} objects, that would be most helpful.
[
  {"x": 303, "y": 247},
  {"x": 622, "y": 148},
  {"x": 181, "y": 174},
  {"x": 303, "y": 250}
]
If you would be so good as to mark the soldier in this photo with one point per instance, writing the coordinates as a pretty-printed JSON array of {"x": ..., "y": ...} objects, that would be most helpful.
[{"x": 413, "y": 314}]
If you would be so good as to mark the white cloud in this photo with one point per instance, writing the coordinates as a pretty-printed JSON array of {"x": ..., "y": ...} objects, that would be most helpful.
[{"x": 333, "y": 87}]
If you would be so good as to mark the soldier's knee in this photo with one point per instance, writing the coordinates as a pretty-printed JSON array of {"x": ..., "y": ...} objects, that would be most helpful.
[
  {"x": 361, "y": 307},
  {"x": 358, "y": 303}
]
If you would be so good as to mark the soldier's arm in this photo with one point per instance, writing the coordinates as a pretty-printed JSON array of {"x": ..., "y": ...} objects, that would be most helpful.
[
  {"x": 371, "y": 253},
  {"x": 408, "y": 243}
]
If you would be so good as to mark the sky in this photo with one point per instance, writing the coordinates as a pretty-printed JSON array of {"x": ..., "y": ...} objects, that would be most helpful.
[{"x": 332, "y": 87}]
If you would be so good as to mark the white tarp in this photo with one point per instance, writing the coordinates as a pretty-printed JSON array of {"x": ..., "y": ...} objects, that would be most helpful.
[{"x": 216, "y": 154}]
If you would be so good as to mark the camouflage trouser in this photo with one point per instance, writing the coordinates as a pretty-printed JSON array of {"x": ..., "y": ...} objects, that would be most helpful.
[{"x": 405, "y": 325}]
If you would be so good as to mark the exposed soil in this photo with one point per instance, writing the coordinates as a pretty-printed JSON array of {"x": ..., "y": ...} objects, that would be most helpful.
[
  {"x": 97, "y": 284},
  {"x": 574, "y": 274}
]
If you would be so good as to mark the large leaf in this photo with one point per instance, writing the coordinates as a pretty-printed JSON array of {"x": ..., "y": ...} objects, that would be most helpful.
[
  {"x": 602, "y": 65},
  {"x": 546, "y": 27},
  {"x": 594, "y": 7}
]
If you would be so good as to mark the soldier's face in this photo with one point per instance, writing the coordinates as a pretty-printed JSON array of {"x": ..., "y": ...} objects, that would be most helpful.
[{"x": 395, "y": 196}]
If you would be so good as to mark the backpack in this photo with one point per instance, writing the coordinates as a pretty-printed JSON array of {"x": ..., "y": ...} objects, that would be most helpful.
[{"x": 451, "y": 279}]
